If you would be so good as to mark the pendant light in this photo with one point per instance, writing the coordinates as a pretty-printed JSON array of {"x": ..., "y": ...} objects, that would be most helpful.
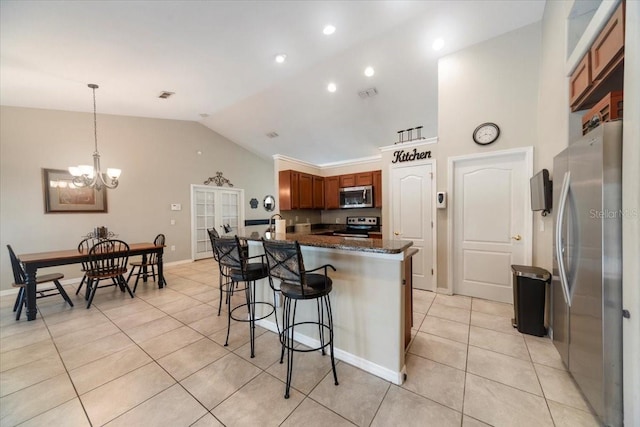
[{"x": 92, "y": 176}]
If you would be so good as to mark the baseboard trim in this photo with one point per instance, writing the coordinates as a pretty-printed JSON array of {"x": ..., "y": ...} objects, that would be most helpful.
[{"x": 366, "y": 365}]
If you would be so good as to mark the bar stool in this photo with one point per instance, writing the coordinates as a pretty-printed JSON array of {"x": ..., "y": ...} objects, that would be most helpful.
[
  {"x": 235, "y": 268},
  {"x": 224, "y": 287},
  {"x": 286, "y": 264}
]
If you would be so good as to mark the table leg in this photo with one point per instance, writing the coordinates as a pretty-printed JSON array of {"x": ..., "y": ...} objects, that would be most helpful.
[
  {"x": 161, "y": 282},
  {"x": 30, "y": 288}
]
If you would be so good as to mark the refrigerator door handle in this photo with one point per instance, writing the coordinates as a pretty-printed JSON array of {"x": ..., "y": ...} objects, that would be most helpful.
[{"x": 564, "y": 193}]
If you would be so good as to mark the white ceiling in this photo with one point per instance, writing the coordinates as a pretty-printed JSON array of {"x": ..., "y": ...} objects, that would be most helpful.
[{"x": 218, "y": 57}]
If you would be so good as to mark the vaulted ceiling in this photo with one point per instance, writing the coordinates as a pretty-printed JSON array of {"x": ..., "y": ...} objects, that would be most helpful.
[{"x": 219, "y": 59}]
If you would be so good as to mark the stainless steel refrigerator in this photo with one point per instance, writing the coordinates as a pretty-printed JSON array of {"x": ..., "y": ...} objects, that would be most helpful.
[{"x": 587, "y": 266}]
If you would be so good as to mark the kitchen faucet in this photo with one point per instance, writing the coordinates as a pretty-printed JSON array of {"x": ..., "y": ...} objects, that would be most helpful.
[{"x": 272, "y": 223}]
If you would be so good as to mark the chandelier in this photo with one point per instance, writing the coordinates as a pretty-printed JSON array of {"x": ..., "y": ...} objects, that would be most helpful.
[{"x": 92, "y": 176}]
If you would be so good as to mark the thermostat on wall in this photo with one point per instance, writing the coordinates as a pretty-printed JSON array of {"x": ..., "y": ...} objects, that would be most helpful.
[
  {"x": 176, "y": 207},
  {"x": 441, "y": 200}
]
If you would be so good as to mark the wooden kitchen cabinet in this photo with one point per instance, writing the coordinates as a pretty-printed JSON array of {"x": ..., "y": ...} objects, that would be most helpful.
[
  {"x": 305, "y": 196},
  {"x": 332, "y": 192},
  {"x": 609, "y": 45},
  {"x": 318, "y": 192},
  {"x": 580, "y": 80},
  {"x": 601, "y": 71},
  {"x": 299, "y": 190},
  {"x": 356, "y": 179},
  {"x": 364, "y": 178},
  {"x": 348, "y": 180},
  {"x": 377, "y": 188},
  {"x": 289, "y": 190}
]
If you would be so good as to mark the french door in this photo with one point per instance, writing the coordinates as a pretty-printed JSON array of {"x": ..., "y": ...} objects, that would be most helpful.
[{"x": 214, "y": 207}]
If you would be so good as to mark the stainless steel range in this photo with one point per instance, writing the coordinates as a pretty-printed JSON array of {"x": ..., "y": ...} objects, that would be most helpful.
[{"x": 359, "y": 226}]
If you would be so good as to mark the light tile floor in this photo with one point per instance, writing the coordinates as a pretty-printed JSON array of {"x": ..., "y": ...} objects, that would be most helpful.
[{"x": 159, "y": 359}]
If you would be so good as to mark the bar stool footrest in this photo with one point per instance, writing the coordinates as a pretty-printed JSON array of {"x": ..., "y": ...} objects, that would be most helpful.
[
  {"x": 307, "y": 350},
  {"x": 246, "y": 318}
]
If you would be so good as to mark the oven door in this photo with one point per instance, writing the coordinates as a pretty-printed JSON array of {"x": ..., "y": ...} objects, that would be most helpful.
[{"x": 356, "y": 197}]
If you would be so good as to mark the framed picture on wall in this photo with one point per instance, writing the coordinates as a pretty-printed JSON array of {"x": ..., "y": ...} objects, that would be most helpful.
[{"x": 62, "y": 196}]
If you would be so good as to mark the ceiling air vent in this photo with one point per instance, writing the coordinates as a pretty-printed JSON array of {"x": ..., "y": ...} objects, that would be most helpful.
[
  {"x": 272, "y": 135},
  {"x": 165, "y": 94},
  {"x": 368, "y": 93}
]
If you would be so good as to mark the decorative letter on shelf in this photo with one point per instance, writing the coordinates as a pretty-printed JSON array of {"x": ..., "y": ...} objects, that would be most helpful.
[{"x": 409, "y": 156}]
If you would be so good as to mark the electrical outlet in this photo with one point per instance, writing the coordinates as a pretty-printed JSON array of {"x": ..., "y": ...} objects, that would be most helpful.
[
  {"x": 337, "y": 220},
  {"x": 307, "y": 221},
  {"x": 173, "y": 247},
  {"x": 173, "y": 222},
  {"x": 296, "y": 218}
]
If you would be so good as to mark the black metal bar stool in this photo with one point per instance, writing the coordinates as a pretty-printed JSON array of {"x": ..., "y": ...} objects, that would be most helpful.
[
  {"x": 224, "y": 287},
  {"x": 285, "y": 263},
  {"x": 235, "y": 268}
]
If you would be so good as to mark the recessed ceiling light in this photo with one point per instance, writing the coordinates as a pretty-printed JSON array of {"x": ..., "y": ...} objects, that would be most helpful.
[
  {"x": 329, "y": 29},
  {"x": 369, "y": 71},
  {"x": 280, "y": 58},
  {"x": 331, "y": 87},
  {"x": 438, "y": 44}
]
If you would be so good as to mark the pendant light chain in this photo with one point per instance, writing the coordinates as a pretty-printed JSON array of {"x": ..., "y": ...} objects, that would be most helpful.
[{"x": 95, "y": 118}]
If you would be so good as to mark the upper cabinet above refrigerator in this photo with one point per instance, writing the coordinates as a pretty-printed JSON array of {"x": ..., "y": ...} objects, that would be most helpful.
[{"x": 597, "y": 62}]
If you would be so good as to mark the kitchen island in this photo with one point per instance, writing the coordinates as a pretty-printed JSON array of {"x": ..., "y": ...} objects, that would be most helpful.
[{"x": 370, "y": 298}]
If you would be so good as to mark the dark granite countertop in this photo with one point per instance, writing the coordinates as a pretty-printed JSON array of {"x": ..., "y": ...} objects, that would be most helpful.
[{"x": 345, "y": 243}]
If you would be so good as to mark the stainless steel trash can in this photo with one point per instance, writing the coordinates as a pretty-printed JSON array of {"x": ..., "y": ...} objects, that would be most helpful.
[{"x": 529, "y": 296}]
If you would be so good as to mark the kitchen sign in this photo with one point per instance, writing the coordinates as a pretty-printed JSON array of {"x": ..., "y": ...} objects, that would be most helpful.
[{"x": 409, "y": 156}]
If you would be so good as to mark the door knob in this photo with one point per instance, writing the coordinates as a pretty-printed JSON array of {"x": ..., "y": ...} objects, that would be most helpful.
[
  {"x": 516, "y": 237},
  {"x": 396, "y": 233}
]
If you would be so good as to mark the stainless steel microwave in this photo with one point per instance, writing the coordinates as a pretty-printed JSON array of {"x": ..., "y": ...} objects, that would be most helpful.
[{"x": 356, "y": 197}]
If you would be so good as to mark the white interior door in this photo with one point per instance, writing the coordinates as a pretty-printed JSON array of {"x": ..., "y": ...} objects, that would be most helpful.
[
  {"x": 213, "y": 207},
  {"x": 491, "y": 223},
  {"x": 412, "y": 218}
]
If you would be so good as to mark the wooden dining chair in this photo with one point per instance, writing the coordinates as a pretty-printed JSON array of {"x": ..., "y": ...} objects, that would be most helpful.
[
  {"x": 144, "y": 266},
  {"x": 19, "y": 277},
  {"x": 83, "y": 247},
  {"x": 107, "y": 261}
]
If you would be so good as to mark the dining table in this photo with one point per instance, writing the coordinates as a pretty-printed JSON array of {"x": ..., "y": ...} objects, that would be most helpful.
[{"x": 33, "y": 261}]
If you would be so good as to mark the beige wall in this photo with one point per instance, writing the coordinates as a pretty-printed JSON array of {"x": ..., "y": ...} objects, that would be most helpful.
[
  {"x": 158, "y": 159},
  {"x": 494, "y": 81}
]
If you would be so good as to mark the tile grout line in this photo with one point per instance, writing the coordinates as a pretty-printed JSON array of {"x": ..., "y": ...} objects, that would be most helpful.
[{"x": 77, "y": 396}]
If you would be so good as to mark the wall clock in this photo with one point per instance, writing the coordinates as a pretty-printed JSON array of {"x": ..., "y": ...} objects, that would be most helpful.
[{"x": 486, "y": 133}]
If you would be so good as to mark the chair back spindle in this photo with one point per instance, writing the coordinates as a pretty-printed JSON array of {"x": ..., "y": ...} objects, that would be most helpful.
[{"x": 19, "y": 276}]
